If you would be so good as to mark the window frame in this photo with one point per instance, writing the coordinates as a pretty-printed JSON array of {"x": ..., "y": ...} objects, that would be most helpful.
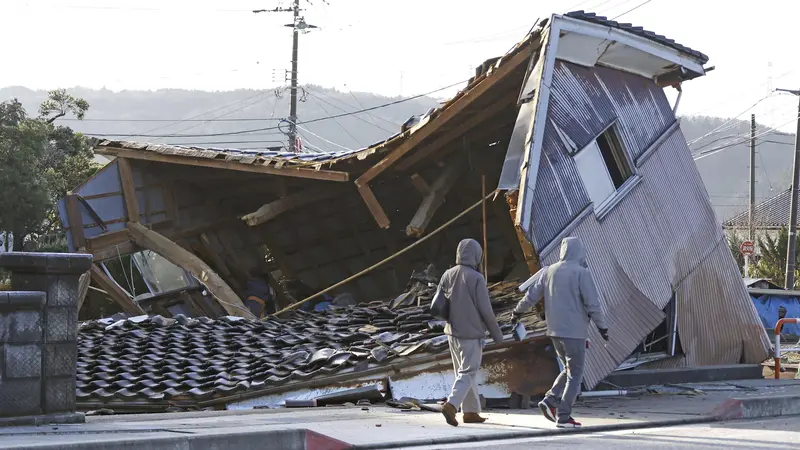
[{"x": 620, "y": 155}]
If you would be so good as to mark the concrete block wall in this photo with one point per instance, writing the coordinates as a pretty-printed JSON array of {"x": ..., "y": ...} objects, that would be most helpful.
[{"x": 39, "y": 332}]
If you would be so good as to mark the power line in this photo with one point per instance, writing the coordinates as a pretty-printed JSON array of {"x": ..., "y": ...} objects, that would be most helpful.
[
  {"x": 183, "y": 120},
  {"x": 222, "y": 115},
  {"x": 305, "y": 122},
  {"x": 317, "y": 99},
  {"x": 242, "y": 119},
  {"x": 632, "y": 9},
  {"x": 339, "y": 123}
]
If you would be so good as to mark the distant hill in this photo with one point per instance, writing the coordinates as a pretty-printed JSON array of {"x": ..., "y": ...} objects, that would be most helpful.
[
  {"x": 126, "y": 112},
  {"x": 724, "y": 173}
]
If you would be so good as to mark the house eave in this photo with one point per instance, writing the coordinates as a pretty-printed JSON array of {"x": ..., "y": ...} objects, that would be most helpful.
[{"x": 590, "y": 44}]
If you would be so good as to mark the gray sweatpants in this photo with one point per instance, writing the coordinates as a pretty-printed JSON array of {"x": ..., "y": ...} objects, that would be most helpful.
[
  {"x": 466, "y": 354},
  {"x": 572, "y": 354}
]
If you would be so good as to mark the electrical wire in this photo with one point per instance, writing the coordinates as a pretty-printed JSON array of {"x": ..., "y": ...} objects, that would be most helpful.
[
  {"x": 322, "y": 138},
  {"x": 724, "y": 147},
  {"x": 125, "y": 136},
  {"x": 318, "y": 100},
  {"x": 232, "y": 133},
  {"x": 339, "y": 123}
]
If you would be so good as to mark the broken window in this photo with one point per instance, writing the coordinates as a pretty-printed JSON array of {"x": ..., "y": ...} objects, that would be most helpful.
[
  {"x": 664, "y": 339},
  {"x": 603, "y": 166}
]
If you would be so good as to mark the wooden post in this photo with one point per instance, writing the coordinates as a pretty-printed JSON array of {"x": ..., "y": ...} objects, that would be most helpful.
[
  {"x": 173, "y": 253},
  {"x": 75, "y": 222},
  {"x": 128, "y": 189},
  {"x": 485, "y": 240}
]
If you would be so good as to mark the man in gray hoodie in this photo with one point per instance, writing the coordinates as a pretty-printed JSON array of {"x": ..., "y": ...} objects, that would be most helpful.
[
  {"x": 470, "y": 315},
  {"x": 570, "y": 300}
]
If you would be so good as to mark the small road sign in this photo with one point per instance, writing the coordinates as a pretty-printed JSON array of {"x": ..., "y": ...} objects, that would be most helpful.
[{"x": 747, "y": 248}]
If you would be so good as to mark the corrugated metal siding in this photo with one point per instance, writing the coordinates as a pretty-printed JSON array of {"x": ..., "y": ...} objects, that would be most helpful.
[
  {"x": 583, "y": 102},
  {"x": 665, "y": 235}
]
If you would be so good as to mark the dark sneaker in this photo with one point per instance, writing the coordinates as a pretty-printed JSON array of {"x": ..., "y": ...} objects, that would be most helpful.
[
  {"x": 547, "y": 411},
  {"x": 568, "y": 423}
]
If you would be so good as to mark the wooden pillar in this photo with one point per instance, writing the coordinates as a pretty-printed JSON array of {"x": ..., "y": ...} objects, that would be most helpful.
[{"x": 128, "y": 189}]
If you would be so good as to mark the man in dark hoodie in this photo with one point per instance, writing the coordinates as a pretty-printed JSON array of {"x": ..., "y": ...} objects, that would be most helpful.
[
  {"x": 570, "y": 300},
  {"x": 470, "y": 316}
]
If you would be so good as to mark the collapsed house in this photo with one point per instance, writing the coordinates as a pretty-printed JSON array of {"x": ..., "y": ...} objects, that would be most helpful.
[{"x": 573, "y": 129}]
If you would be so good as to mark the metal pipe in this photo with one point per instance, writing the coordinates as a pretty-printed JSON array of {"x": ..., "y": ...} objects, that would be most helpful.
[
  {"x": 612, "y": 393},
  {"x": 777, "y": 357}
]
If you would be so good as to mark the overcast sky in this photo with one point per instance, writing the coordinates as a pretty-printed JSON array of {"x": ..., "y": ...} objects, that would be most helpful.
[{"x": 384, "y": 46}]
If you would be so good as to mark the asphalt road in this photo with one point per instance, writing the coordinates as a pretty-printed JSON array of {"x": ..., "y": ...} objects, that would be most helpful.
[{"x": 781, "y": 433}]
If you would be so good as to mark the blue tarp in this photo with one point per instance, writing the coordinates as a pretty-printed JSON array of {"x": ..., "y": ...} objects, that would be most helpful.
[{"x": 767, "y": 307}]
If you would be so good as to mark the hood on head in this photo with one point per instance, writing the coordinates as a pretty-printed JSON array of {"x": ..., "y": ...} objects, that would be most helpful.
[
  {"x": 572, "y": 250},
  {"x": 469, "y": 253}
]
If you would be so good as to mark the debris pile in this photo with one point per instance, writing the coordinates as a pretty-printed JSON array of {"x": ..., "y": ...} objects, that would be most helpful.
[{"x": 200, "y": 360}]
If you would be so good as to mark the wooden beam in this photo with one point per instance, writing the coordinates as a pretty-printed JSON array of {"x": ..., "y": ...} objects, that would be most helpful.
[
  {"x": 464, "y": 102},
  {"x": 115, "y": 251},
  {"x": 531, "y": 257},
  {"x": 75, "y": 222},
  {"x": 420, "y": 184},
  {"x": 506, "y": 102},
  {"x": 508, "y": 230},
  {"x": 298, "y": 172},
  {"x": 274, "y": 209},
  {"x": 374, "y": 206},
  {"x": 83, "y": 288},
  {"x": 431, "y": 203},
  {"x": 173, "y": 253},
  {"x": 219, "y": 262},
  {"x": 128, "y": 189},
  {"x": 115, "y": 292}
]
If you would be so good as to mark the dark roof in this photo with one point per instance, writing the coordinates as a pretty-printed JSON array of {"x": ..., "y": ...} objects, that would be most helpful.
[
  {"x": 771, "y": 213},
  {"x": 639, "y": 31},
  {"x": 184, "y": 361}
]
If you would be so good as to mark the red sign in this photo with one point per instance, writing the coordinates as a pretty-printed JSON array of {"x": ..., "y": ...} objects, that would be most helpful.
[{"x": 747, "y": 248}]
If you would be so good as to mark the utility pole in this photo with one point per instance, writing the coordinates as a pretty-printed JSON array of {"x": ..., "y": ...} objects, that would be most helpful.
[
  {"x": 752, "y": 202},
  {"x": 791, "y": 250},
  {"x": 298, "y": 24}
]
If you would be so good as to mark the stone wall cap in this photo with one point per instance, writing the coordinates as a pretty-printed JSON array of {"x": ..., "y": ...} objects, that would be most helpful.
[
  {"x": 22, "y": 299},
  {"x": 55, "y": 263}
]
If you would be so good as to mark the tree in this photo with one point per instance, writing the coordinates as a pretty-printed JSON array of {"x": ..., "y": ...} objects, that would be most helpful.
[
  {"x": 735, "y": 242},
  {"x": 772, "y": 263},
  {"x": 39, "y": 163}
]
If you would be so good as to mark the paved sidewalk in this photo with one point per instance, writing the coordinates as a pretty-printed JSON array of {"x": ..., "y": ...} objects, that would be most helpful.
[{"x": 381, "y": 427}]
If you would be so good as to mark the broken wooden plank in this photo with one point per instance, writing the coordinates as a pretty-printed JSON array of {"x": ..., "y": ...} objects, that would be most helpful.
[
  {"x": 274, "y": 209},
  {"x": 177, "y": 255},
  {"x": 374, "y": 206},
  {"x": 75, "y": 222},
  {"x": 128, "y": 189},
  {"x": 298, "y": 172},
  {"x": 431, "y": 203},
  {"x": 420, "y": 184},
  {"x": 116, "y": 293}
]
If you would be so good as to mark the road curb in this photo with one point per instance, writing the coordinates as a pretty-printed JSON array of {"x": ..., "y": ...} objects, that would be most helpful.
[
  {"x": 731, "y": 409},
  {"x": 507, "y": 435}
]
